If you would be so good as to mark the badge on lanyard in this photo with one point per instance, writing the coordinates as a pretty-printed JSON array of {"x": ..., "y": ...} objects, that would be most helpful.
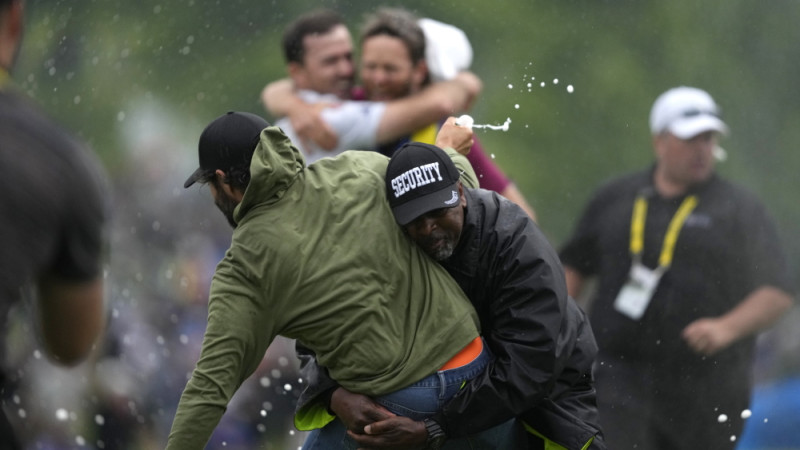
[{"x": 635, "y": 295}]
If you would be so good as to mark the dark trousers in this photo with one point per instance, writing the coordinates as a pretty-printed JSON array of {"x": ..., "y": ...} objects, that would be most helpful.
[
  {"x": 8, "y": 440},
  {"x": 652, "y": 409}
]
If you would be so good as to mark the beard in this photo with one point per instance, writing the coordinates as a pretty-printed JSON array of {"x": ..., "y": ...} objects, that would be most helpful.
[
  {"x": 446, "y": 245},
  {"x": 227, "y": 205}
]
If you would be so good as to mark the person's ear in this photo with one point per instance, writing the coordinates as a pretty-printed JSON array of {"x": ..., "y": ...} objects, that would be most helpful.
[
  {"x": 419, "y": 75},
  {"x": 462, "y": 198},
  {"x": 659, "y": 140},
  {"x": 224, "y": 183},
  {"x": 298, "y": 73}
]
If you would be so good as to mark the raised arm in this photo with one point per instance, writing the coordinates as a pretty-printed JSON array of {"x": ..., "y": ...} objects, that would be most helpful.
[
  {"x": 279, "y": 97},
  {"x": 281, "y": 100},
  {"x": 438, "y": 100}
]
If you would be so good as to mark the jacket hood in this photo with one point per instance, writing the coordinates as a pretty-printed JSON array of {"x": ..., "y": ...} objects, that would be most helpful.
[{"x": 275, "y": 166}]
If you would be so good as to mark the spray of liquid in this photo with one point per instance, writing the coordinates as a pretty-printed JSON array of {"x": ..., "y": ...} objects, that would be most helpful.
[{"x": 467, "y": 121}]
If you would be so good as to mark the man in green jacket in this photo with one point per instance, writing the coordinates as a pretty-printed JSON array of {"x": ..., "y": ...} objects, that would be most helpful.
[{"x": 316, "y": 256}]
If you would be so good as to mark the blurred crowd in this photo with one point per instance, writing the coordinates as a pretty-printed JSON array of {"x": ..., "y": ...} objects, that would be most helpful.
[{"x": 163, "y": 251}]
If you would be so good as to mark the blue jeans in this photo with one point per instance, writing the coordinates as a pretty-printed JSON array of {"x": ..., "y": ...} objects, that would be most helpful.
[{"x": 417, "y": 401}]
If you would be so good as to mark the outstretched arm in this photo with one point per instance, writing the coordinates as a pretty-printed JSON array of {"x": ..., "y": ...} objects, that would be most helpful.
[
  {"x": 281, "y": 100},
  {"x": 438, "y": 100}
]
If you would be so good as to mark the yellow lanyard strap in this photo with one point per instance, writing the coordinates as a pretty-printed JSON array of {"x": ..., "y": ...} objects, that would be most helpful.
[
  {"x": 426, "y": 135},
  {"x": 675, "y": 225}
]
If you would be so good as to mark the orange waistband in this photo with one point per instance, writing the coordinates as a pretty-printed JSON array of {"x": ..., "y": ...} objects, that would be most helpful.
[{"x": 466, "y": 355}]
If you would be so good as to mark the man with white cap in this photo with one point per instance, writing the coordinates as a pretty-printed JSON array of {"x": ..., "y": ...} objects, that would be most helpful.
[{"x": 689, "y": 269}]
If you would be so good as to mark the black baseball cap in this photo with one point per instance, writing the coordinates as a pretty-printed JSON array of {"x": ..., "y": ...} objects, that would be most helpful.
[
  {"x": 420, "y": 178},
  {"x": 228, "y": 141}
]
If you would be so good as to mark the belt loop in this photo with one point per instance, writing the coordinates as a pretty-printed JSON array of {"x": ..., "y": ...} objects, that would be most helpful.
[{"x": 442, "y": 385}]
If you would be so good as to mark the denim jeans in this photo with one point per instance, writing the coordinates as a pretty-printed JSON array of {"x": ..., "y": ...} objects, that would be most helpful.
[{"x": 417, "y": 401}]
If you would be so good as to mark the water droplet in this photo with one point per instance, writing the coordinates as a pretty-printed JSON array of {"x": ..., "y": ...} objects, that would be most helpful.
[
  {"x": 570, "y": 89},
  {"x": 746, "y": 414},
  {"x": 722, "y": 418},
  {"x": 99, "y": 419},
  {"x": 62, "y": 414}
]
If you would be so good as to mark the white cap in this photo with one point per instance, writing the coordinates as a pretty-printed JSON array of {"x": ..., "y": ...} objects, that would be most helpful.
[
  {"x": 686, "y": 112},
  {"x": 447, "y": 49}
]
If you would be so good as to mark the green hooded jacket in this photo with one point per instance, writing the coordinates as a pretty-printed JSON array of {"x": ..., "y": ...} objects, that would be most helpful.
[{"x": 317, "y": 256}]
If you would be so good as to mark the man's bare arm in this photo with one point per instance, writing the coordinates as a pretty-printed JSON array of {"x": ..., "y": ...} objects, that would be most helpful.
[
  {"x": 442, "y": 99},
  {"x": 755, "y": 313},
  {"x": 72, "y": 317},
  {"x": 279, "y": 97},
  {"x": 281, "y": 100}
]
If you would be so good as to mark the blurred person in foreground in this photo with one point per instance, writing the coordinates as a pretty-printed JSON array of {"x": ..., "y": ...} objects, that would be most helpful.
[
  {"x": 316, "y": 256},
  {"x": 689, "y": 269},
  {"x": 54, "y": 209},
  {"x": 541, "y": 340},
  {"x": 400, "y": 57}
]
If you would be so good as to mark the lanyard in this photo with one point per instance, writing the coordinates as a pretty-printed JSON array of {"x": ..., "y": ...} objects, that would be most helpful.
[{"x": 675, "y": 225}]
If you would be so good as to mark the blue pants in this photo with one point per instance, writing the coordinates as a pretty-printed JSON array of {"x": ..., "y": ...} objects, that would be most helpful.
[{"x": 419, "y": 401}]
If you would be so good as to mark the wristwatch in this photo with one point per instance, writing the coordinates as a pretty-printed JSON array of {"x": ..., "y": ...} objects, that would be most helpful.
[{"x": 436, "y": 436}]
